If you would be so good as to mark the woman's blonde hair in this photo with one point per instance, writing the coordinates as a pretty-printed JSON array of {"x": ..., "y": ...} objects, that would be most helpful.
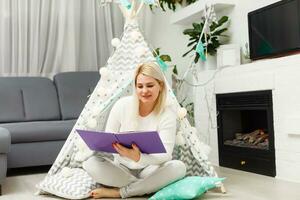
[{"x": 151, "y": 69}]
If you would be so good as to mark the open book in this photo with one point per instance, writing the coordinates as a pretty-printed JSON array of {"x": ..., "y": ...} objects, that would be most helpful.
[{"x": 148, "y": 142}]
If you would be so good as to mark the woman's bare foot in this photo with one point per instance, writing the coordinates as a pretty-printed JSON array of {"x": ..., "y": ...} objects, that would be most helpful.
[{"x": 105, "y": 192}]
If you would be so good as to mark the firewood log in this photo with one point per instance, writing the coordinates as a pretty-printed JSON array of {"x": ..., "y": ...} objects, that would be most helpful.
[
  {"x": 251, "y": 136},
  {"x": 261, "y": 138},
  {"x": 239, "y": 136}
]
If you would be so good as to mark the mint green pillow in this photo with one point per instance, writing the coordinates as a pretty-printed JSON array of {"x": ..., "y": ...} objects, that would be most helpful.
[{"x": 187, "y": 188}]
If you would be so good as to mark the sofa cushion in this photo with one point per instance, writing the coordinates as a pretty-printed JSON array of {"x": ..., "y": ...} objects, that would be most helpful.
[
  {"x": 73, "y": 89},
  {"x": 28, "y": 99},
  {"x": 38, "y": 131},
  {"x": 11, "y": 105},
  {"x": 4, "y": 140}
]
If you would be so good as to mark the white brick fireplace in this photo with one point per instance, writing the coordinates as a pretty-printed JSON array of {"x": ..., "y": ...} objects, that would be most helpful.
[{"x": 282, "y": 76}]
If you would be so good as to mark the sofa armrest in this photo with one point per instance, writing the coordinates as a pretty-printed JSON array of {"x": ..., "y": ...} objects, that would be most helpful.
[{"x": 5, "y": 140}]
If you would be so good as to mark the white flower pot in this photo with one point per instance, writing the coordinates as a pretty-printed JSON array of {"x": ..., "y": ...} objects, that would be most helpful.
[{"x": 209, "y": 64}]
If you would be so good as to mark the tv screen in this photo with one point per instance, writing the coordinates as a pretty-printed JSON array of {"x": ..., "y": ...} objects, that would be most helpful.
[{"x": 274, "y": 29}]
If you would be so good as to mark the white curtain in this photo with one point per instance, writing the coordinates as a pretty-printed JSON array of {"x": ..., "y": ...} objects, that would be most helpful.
[{"x": 43, "y": 37}]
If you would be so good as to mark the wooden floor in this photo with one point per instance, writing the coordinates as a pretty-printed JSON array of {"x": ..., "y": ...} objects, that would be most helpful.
[{"x": 239, "y": 185}]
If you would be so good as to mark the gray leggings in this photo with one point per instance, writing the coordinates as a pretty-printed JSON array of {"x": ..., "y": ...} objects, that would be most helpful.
[{"x": 134, "y": 182}]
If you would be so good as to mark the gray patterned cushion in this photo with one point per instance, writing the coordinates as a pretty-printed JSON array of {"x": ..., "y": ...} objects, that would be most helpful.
[
  {"x": 193, "y": 167},
  {"x": 69, "y": 183}
]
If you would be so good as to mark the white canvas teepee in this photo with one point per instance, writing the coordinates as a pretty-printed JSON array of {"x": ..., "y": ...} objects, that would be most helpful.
[{"x": 116, "y": 81}]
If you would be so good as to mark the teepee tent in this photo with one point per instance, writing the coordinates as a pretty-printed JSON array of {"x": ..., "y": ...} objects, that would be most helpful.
[{"x": 117, "y": 81}]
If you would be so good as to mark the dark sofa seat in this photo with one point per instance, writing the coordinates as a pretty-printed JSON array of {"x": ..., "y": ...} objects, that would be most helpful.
[{"x": 39, "y": 131}]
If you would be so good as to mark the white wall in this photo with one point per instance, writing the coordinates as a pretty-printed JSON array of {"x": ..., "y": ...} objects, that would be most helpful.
[
  {"x": 169, "y": 37},
  {"x": 161, "y": 33}
]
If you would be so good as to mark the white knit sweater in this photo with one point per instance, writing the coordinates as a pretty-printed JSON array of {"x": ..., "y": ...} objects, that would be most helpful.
[{"x": 120, "y": 120}]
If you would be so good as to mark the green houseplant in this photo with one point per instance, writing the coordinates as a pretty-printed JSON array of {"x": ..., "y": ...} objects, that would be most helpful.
[
  {"x": 164, "y": 57},
  {"x": 171, "y": 4},
  {"x": 216, "y": 30}
]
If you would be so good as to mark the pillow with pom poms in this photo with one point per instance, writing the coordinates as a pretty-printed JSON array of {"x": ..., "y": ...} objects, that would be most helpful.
[
  {"x": 69, "y": 183},
  {"x": 187, "y": 188}
]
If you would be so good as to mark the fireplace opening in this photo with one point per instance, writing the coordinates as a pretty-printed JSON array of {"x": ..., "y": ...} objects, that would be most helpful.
[
  {"x": 245, "y": 131},
  {"x": 246, "y": 128}
]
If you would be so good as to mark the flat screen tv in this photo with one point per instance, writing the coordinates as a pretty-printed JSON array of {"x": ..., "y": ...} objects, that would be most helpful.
[{"x": 274, "y": 30}]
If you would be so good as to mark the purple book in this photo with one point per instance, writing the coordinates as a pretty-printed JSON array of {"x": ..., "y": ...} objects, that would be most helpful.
[{"x": 148, "y": 141}]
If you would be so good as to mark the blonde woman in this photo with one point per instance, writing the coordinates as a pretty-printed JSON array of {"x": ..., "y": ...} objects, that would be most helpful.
[{"x": 133, "y": 173}]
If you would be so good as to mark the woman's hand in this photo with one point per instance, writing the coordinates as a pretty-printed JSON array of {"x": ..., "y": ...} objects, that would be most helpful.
[{"x": 133, "y": 154}]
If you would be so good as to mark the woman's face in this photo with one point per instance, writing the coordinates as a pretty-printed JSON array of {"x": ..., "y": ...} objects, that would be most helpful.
[{"x": 147, "y": 88}]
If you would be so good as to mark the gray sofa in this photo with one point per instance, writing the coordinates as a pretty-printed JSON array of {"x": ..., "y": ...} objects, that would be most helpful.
[{"x": 37, "y": 115}]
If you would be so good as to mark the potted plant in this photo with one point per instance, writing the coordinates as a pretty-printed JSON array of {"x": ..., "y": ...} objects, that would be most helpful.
[
  {"x": 212, "y": 40},
  {"x": 171, "y": 4}
]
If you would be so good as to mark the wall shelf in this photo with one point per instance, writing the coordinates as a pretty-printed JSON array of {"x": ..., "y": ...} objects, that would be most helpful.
[{"x": 194, "y": 12}]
